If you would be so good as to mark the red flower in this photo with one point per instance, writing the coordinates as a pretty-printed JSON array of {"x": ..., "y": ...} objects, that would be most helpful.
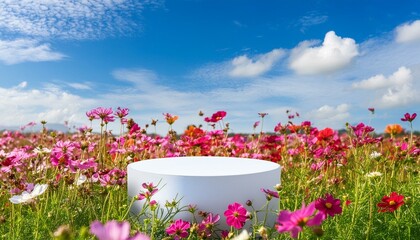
[
  {"x": 236, "y": 215},
  {"x": 216, "y": 117},
  {"x": 325, "y": 134},
  {"x": 391, "y": 203},
  {"x": 408, "y": 117},
  {"x": 329, "y": 205}
]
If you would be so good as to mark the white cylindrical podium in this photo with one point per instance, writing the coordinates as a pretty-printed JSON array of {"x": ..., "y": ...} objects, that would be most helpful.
[{"x": 210, "y": 183}]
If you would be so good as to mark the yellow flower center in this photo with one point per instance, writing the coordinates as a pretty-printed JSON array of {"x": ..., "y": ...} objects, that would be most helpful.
[
  {"x": 392, "y": 202},
  {"x": 328, "y": 205},
  {"x": 302, "y": 222}
]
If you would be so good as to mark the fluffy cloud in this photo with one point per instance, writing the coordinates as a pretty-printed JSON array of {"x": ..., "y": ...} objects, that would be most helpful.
[
  {"x": 52, "y": 105},
  {"x": 401, "y": 77},
  {"x": 408, "y": 32},
  {"x": 394, "y": 90},
  {"x": 243, "y": 66},
  {"x": 69, "y": 18},
  {"x": 23, "y": 50},
  {"x": 399, "y": 96},
  {"x": 335, "y": 53},
  {"x": 331, "y": 116}
]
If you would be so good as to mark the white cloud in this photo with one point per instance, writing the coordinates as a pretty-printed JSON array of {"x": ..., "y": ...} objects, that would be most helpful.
[
  {"x": 408, "y": 32},
  {"x": 330, "y": 116},
  {"x": 72, "y": 19},
  {"x": 142, "y": 78},
  {"x": 335, "y": 53},
  {"x": 26, "y": 50},
  {"x": 28, "y": 105},
  {"x": 246, "y": 67},
  {"x": 402, "y": 76},
  {"x": 80, "y": 86},
  {"x": 399, "y": 96},
  {"x": 393, "y": 91},
  {"x": 311, "y": 19}
]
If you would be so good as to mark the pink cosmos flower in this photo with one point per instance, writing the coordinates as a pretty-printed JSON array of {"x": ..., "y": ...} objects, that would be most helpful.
[
  {"x": 216, "y": 117},
  {"x": 256, "y": 124},
  {"x": 134, "y": 128},
  {"x": 105, "y": 114},
  {"x": 205, "y": 228},
  {"x": 329, "y": 205},
  {"x": 91, "y": 114},
  {"x": 294, "y": 222},
  {"x": 122, "y": 112},
  {"x": 236, "y": 215},
  {"x": 114, "y": 230},
  {"x": 178, "y": 229},
  {"x": 408, "y": 117},
  {"x": 270, "y": 193},
  {"x": 211, "y": 220},
  {"x": 225, "y": 234},
  {"x": 150, "y": 191}
]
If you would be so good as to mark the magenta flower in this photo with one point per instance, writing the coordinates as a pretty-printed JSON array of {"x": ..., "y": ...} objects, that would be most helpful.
[
  {"x": 215, "y": 117},
  {"x": 105, "y": 114},
  {"x": 150, "y": 191},
  {"x": 134, "y": 128},
  {"x": 211, "y": 220},
  {"x": 270, "y": 193},
  {"x": 122, "y": 112},
  {"x": 114, "y": 230},
  {"x": 178, "y": 229},
  {"x": 91, "y": 114},
  {"x": 408, "y": 117},
  {"x": 329, "y": 205},
  {"x": 146, "y": 195},
  {"x": 149, "y": 186},
  {"x": 236, "y": 215},
  {"x": 205, "y": 228},
  {"x": 294, "y": 222}
]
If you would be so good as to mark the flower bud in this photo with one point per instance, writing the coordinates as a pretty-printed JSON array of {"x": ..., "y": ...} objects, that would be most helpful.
[
  {"x": 263, "y": 232},
  {"x": 278, "y": 187},
  {"x": 317, "y": 230}
]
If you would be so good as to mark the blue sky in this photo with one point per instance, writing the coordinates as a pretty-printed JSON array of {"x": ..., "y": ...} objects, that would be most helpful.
[{"x": 327, "y": 60}]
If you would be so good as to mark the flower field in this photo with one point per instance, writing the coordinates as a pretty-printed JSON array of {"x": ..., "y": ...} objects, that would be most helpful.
[{"x": 351, "y": 184}]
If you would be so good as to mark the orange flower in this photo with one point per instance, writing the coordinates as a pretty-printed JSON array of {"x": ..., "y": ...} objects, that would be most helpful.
[
  {"x": 130, "y": 142},
  {"x": 193, "y": 131},
  {"x": 170, "y": 119},
  {"x": 294, "y": 128},
  {"x": 393, "y": 129}
]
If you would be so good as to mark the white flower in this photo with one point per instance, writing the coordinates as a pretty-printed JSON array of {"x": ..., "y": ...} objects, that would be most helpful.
[
  {"x": 243, "y": 236},
  {"x": 373, "y": 174},
  {"x": 82, "y": 178},
  {"x": 375, "y": 154},
  {"x": 25, "y": 196}
]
